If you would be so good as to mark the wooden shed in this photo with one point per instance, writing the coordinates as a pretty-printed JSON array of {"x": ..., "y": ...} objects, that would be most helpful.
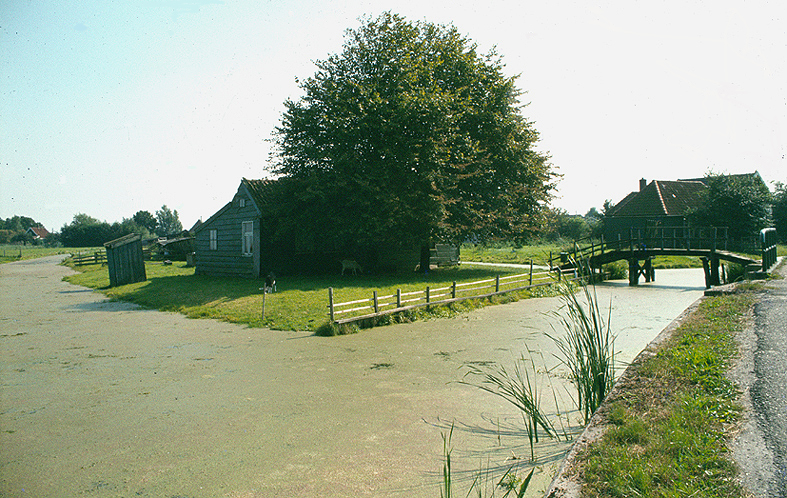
[{"x": 124, "y": 259}]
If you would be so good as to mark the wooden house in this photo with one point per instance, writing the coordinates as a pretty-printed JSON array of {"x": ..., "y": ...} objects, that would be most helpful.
[
  {"x": 253, "y": 235},
  {"x": 228, "y": 243}
]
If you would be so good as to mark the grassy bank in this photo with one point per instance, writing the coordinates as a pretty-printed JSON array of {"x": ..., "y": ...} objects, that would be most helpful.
[
  {"x": 301, "y": 303},
  {"x": 668, "y": 426}
]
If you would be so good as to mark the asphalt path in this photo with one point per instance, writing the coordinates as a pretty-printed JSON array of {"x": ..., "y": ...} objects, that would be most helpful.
[
  {"x": 103, "y": 399},
  {"x": 761, "y": 448}
]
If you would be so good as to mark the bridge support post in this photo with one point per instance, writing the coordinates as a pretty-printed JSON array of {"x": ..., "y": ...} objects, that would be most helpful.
[
  {"x": 706, "y": 269},
  {"x": 633, "y": 272},
  {"x": 714, "y": 269}
]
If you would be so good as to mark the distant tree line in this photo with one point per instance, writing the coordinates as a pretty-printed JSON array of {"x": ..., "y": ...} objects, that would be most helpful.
[{"x": 86, "y": 231}]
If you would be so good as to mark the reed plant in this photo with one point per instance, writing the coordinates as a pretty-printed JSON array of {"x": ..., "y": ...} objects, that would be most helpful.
[
  {"x": 520, "y": 388},
  {"x": 587, "y": 348}
]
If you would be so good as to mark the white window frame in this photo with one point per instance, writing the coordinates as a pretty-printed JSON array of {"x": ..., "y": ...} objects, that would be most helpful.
[
  {"x": 247, "y": 238},
  {"x": 214, "y": 239}
]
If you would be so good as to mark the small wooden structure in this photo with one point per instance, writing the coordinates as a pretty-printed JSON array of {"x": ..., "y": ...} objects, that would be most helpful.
[{"x": 124, "y": 258}]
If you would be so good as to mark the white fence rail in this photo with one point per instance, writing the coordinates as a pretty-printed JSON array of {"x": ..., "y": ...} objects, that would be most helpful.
[{"x": 361, "y": 309}]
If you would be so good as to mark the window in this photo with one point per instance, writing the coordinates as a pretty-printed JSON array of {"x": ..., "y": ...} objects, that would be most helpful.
[
  {"x": 242, "y": 202},
  {"x": 213, "y": 240},
  {"x": 247, "y": 230}
]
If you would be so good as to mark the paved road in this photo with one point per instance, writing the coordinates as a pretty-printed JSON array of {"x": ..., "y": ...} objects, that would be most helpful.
[
  {"x": 104, "y": 399},
  {"x": 762, "y": 447}
]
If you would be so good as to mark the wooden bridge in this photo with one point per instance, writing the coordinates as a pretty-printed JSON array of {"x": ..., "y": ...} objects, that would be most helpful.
[{"x": 642, "y": 245}]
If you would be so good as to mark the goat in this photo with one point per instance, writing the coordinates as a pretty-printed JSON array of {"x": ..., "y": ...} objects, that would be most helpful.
[
  {"x": 270, "y": 282},
  {"x": 351, "y": 264}
]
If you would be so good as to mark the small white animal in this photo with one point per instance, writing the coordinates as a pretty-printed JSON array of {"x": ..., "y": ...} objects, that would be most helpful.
[{"x": 351, "y": 264}]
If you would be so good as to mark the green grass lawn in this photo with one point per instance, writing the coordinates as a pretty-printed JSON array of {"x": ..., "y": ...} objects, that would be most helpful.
[
  {"x": 301, "y": 303},
  {"x": 14, "y": 252}
]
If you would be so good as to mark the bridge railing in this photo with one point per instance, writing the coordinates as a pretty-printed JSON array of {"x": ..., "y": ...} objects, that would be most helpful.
[
  {"x": 768, "y": 244},
  {"x": 682, "y": 237}
]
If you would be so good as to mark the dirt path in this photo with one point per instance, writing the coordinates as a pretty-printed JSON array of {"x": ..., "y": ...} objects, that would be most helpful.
[{"x": 103, "y": 399}]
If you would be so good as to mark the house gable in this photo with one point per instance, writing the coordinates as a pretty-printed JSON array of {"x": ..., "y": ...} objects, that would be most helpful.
[{"x": 227, "y": 243}]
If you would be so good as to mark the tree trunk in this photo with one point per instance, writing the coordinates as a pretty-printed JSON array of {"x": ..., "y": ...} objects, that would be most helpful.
[{"x": 426, "y": 253}]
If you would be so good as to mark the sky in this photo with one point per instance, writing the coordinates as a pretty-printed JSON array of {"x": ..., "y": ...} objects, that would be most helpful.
[{"x": 112, "y": 107}]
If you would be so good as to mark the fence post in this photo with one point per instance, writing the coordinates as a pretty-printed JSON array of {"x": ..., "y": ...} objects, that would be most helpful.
[
  {"x": 531, "y": 273},
  {"x": 398, "y": 298},
  {"x": 376, "y": 304},
  {"x": 497, "y": 283},
  {"x": 453, "y": 290},
  {"x": 427, "y": 295},
  {"x": 330, "y": 302}
]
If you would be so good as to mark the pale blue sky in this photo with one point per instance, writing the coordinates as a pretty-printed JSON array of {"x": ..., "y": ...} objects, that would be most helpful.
[{"x": 110, "y": 107}]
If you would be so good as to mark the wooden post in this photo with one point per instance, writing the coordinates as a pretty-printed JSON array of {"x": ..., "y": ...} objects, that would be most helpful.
[
  {"x": 531, "y": 272},
  {"x": 706, "y": 270},
  {"x": 398, "y": 298},
  {"x": 497, "y": 283},
  {"x": 376, "y": 303},
  {"x": 330, "y": 302},
  {"x": 633, "y": 272},
  {"x": 264, "y": 292},
  {"x": 427, "y": 295},
  {"x": 453, "y": 290}
]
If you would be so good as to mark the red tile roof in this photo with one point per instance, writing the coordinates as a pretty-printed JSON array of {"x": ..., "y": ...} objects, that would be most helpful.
[
  {"x": 39, "y": 232},
  {"x": 661, "y": 198}
]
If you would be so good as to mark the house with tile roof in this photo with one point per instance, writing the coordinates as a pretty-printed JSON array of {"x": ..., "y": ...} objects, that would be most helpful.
[
  {"x": 38, "y": 233},
  {"x": 666, "y": 203}
]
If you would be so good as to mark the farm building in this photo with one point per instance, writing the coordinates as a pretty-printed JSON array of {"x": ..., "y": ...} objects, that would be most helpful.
[
  {"x": 38, "y": 233},
  {"x": 252, "y": 235},
  {"x": 658, "y": 203}
]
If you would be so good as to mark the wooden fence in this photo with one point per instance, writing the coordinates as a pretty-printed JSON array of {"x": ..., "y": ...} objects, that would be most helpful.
[
  {"x": 89, "y": 259},
  {"x": 377, "y": 305}
]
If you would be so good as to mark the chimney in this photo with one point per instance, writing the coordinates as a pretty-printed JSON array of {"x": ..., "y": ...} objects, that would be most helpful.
[{"x": 642, "y": 184}]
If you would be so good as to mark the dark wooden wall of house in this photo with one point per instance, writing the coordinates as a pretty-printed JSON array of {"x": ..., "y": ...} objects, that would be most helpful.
[{"x": 228, "y": 259}]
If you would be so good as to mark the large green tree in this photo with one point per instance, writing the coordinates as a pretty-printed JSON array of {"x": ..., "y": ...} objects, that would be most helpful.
[
  {"x": 409, "y": 135},
  {"x": 167, "y": 222},
  {"x": 780, "y": 210},
  {"x": 742, "y": 203}
]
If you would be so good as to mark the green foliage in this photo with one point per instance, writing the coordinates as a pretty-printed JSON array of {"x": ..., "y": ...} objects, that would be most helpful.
[
  {"x": 739, "y": 202},
  {"x": 406, "y": 136},
  {"x": 167, "y": 222},
  {"x": 588, "y": 347},
  {"x": 520, "y": 388},
  {"x": 780, "y": 211}
]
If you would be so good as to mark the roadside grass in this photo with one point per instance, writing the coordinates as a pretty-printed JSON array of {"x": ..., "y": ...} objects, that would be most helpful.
[
  {"x": 15, "y": 252},
  {"x": 667, "y": 427},
  {"x": 301, "y": 303},
  {"x": 507, "y": 253}
]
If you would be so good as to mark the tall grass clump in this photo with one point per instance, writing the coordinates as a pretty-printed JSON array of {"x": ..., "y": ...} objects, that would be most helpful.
[
  {"x": 587, "y": 348},
  {"x": 520, "y": 388},
  {"x": 509, "y": 483}
]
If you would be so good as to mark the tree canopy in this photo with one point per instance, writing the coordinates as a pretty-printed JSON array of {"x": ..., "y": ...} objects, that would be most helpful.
[
  {"x": 742, "y": 203},
  {"x": 167, "y": 222},
  {"x": 409, "y": 135}
]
